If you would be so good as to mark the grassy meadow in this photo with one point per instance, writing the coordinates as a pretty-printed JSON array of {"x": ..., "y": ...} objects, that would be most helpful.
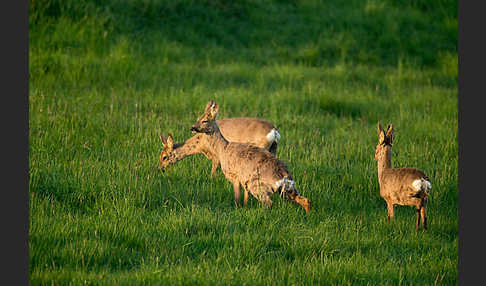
[{"x": 107, "y": 77}]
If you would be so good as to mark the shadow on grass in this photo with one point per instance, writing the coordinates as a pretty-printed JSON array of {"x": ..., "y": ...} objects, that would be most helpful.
[
  {"x": 276, "y": 31},
  {"x": 60, "y": 187},
  {"x": 175, "y": 191},
  {"x": 353, "y": 110}
]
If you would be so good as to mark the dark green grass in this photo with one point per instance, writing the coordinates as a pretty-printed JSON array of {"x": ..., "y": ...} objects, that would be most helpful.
[{"x": 107, "y": 77}]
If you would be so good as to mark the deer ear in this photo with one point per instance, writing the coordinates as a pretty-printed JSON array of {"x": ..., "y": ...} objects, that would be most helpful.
[
  {"x": 209, "y": 105},
  {"x": 164, "y": 141},
  {"x": 212, "y": 109},
  {"x": 170, "y": 141},
  {"x": 390, "y": 133},
  {"x": 381, "y": 134},
  {"x": 381, "y": 137},
  {"x": 380, "y": 129}
]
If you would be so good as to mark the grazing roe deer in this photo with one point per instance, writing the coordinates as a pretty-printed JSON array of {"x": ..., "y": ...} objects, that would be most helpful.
[
  {"x": 253, "y": 131},
  {"x": 255, "y": 169},
  {"x": 400, "y": 186}
]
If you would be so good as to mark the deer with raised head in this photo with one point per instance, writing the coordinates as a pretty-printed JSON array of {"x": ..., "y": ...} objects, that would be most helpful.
[
  {"x": 246, "y": 166},
  {"x": 253, "y": 131},
  {"x": 400, "y": 186}
]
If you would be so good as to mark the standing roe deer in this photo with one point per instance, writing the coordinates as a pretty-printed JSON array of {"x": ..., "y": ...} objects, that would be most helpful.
[
  {"x": 253, "y": 131},
  {"x": 400, "y": 186},
  {"x": 256, "y": 170}
]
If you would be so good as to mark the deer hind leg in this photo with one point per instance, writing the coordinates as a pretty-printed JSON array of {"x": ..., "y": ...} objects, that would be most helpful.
[
  {"x": 389, "y": 208},
  {"x": 236, "y": 189}
]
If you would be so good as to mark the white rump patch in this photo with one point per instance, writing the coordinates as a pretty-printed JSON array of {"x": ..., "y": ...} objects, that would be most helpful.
[
  {"x": 284, "y": 182},
  {"x": 273, "y": 136},
  {"x": 422, "y": 185}
]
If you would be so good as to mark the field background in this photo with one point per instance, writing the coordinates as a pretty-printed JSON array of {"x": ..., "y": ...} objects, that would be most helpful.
[{"x": 107, "y": 77}]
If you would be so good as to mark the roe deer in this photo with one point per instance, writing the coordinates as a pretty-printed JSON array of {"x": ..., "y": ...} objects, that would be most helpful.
[
  {"x": 400, "y": 186},
  {"x": 255, "y": 169},
  {"x": 253, "y": 131}
]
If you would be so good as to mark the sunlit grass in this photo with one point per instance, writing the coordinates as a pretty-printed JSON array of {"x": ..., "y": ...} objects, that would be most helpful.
[{"x": 106, "y": 80}]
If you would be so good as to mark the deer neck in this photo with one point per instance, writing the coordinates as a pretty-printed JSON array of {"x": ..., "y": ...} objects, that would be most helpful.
[
  {"x": 216, "y": 142},
  {"x": 384, "y": 162},
  {"x": 189, "y": 147}
]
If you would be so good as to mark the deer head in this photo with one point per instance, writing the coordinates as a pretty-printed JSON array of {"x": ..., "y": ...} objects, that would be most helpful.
[
  {"x": 385, "y": 141},
  {"x": 167, "y": 155},
  {"x": 206, "y": 123},
  {"x": 288, "y": 191}
]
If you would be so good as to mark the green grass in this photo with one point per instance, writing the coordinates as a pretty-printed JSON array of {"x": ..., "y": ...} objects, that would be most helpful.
[{"x": 107, "y": 77}]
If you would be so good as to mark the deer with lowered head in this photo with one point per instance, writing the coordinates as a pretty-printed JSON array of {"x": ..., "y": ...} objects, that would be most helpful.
[
  {"x": 400, "y": 186},
  {"x": 255, "y": 169},
  {"x": 252, "y": 131}
]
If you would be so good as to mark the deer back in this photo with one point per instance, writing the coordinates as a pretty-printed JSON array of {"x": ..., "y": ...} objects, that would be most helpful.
[
  {"x": 403, "y": 186},
  {"x": 249, "y": 130},
  {"x": 249, "y": 162}
]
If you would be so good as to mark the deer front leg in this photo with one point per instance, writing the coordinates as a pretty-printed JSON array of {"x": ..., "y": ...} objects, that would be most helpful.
[
  {"x": 267, "y": 202},
  {"x": 214, "y": 167},
  {"x": 245, "y": 198},
  {"x": 214, "y": 162},
  {"x": 417, "y": 223},
  {"x": 261, "y": 193},
  {"x": 423, "y": 214}
]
